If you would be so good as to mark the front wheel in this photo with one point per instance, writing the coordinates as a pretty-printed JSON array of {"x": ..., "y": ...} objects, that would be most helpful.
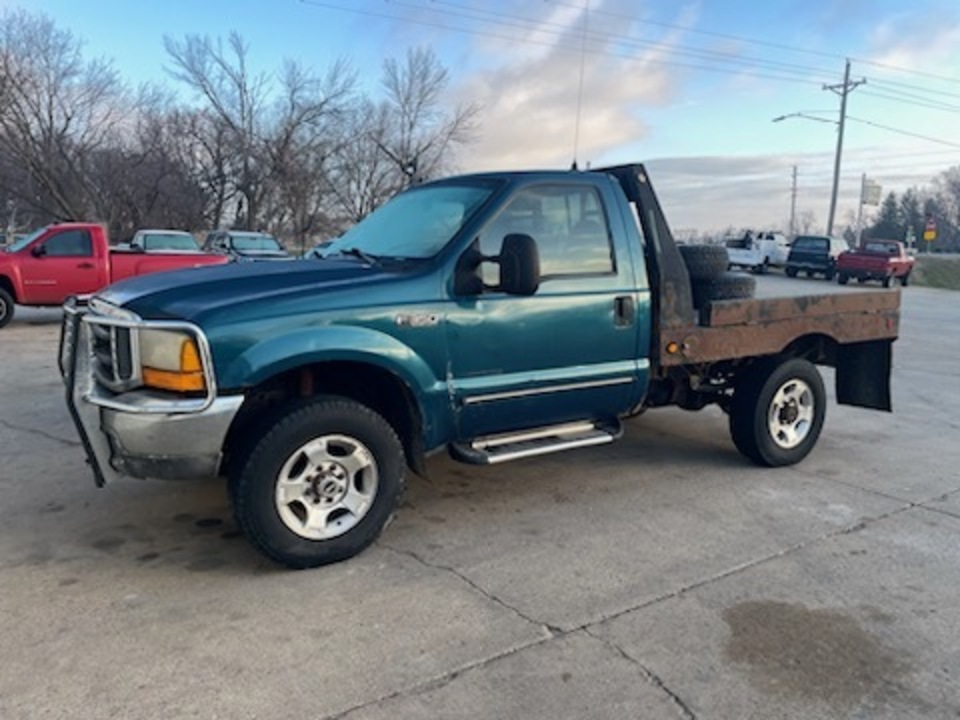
[
  {"x": 885, "y": 281},
  {"x": 791, "y": 272},
  {"x": 905, "y": 280},
  {"x": 777, "y": 412},
  {"x": 321, "y": 484},
  {"x": 843, "y": 278},
  {"x": 6, "y": 307}
]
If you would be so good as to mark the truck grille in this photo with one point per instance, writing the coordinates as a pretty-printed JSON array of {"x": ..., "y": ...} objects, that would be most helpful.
[{"x": 113, "y": 351}]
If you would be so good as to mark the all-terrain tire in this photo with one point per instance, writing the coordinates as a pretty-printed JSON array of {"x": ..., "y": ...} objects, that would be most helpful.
[
  {"x": 704, "y": 262},
  {"x": 777, "y": 411},
  {"x": 6, "y": 307},
  {"x": 321, "y": 484},
  {"x": 729, "y": 286}
]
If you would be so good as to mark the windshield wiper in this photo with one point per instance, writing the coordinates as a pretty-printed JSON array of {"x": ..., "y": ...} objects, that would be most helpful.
[{"x": 358, "y": 253}]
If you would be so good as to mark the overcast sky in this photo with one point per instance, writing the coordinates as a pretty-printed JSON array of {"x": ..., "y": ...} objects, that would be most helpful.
[{"x": 690, "y": 88}]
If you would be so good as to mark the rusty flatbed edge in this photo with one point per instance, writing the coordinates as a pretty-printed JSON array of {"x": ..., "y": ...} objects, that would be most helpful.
[
  {"x": 733, "y": 329},
  {"x": 755, "y": 311}
]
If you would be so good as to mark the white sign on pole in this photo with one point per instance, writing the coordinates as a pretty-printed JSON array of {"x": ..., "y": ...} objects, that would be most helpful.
[{"x": 870, "y": 194}]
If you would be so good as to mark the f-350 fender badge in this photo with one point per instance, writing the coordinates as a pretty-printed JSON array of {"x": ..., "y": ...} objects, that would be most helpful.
[{"x": 418, "y": 320}]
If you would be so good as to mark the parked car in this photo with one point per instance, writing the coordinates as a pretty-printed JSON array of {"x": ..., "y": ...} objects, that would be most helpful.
[
  {"x": 58, "y": 261},
  {"x": 883, "y": 260},
  {"x": 163, "y": 241},
  {"x": 815, "y": 255},
  {"x": 758, "y": 251},
  {"x": 244, "y": 245}
]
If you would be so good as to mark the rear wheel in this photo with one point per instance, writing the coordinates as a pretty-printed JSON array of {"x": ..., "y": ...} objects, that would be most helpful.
[
  {"x": 6, "y": 307},
  {"x": 777, "y": 412},
  {"x": 321, "y": 484},
  {"x": 791, "y": 272},
  {"x": 885, "y": 281}
]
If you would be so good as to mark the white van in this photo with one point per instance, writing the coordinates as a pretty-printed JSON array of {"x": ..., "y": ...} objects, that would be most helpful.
[{"x": 758, "y": 251}]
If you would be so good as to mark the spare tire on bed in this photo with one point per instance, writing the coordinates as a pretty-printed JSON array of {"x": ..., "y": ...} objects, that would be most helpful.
[
  {"x": 704, "y": 262},
  {"x": 728, "y": 286}
]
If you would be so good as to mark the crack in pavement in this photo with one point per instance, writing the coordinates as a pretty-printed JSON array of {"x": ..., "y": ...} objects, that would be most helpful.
[
  {"x": 437, "y": 682},
  {"x": 647, "y": 674},
  {"x": 41, "y": 433},
  {"x": 552, "y": 632}
]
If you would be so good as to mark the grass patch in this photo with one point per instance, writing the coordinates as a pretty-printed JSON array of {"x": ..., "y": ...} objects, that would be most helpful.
[{"x": 937, "y": 272}]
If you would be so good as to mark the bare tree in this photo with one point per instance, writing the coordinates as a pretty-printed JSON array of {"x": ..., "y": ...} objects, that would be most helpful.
[
  {"x": 56, "y": 111},
  {"x": 420, "y": 132}
]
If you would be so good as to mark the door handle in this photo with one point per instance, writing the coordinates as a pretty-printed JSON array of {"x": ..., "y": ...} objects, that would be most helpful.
[
  {"x": 85, "y": 265},
  {"x": 624, "y": 311}
]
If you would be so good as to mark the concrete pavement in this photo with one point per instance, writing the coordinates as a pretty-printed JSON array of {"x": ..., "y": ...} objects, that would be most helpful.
[{"x": 661, "y": 577}]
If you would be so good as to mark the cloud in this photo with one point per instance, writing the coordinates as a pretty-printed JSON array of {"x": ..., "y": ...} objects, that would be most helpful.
[{"x": 528, "y": 90}]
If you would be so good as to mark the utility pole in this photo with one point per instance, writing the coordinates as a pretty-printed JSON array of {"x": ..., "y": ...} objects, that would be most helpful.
[
  {"x": 793, "y": 205},
  {"x": 842, "y": 90}
]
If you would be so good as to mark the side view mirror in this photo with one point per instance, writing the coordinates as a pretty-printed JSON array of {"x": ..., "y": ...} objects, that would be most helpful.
[
  {"x": 38, "y": 250},
  {"x": 519, "y": 262}
]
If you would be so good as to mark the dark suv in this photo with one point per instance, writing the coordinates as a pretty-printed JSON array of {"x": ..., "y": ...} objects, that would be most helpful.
[
  {"x": 244, "y": 245},
  {"x": 815, "y": 254}
]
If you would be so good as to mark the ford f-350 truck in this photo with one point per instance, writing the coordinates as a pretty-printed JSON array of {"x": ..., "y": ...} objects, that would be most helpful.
[{"x": 499, "y": 316}]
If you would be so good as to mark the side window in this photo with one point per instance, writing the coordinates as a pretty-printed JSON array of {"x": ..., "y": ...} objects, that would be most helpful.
[
  {"x": 69, "y": 243},
  {"x": 568, "y": 223}
]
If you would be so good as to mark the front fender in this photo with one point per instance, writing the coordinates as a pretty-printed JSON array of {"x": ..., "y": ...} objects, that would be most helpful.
[{"x": 329, "y": 344}]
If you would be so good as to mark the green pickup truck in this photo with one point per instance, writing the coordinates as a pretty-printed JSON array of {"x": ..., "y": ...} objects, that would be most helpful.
[{"x": 497, "y": 316}]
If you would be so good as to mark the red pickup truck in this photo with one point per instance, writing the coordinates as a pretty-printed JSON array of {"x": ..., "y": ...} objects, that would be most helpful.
[
  {"x": 55, "y": 262},
  {"x": 883, "y": 260}
]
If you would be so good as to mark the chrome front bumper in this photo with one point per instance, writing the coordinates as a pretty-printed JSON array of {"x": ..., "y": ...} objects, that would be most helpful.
[{"x": 139, "y": 433}]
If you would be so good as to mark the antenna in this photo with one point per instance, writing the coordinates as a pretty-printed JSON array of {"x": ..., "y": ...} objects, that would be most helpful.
[{"x": 583, "y": 59}]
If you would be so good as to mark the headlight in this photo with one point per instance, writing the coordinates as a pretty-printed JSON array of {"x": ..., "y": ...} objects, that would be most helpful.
[{"x": 170, "y": 360}]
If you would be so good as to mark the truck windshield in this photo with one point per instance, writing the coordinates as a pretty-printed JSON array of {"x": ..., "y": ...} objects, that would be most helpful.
[
  {"x": 254, "y": 242},
  {"x": 166, "y": 241},
  {"x": 416, "y": 224},
  {"x": 24, "y": 241}
]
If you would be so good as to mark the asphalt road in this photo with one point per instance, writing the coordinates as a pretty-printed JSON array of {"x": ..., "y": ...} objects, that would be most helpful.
[{"x": 661, "y": 577}]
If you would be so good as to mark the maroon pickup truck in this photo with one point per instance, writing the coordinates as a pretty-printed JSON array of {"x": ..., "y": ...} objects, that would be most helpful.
[
  {"x": 883, "y": 260},
  {"x": 58, "y": 261}
]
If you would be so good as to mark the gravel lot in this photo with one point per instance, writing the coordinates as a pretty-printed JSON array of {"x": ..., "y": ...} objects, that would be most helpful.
[{"x": 661, "y": 577}]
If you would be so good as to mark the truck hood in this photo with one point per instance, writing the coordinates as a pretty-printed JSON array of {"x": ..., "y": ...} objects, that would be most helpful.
[{"x": 198, "y": 292}]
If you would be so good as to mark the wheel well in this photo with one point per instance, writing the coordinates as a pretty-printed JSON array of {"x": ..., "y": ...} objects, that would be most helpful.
[
  {"x": 818, "y": 349},
  {"x": 372, "y": 386},
  {"x": 7, "y": 285}
]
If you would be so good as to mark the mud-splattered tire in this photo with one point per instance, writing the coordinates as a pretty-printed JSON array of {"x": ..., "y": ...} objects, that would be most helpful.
[
  {"x": 321, "y": 484},
  {"x": 778, "y": 411},
  {"x": 705, "y": 262},
  {"x": 6, "y": 307}
]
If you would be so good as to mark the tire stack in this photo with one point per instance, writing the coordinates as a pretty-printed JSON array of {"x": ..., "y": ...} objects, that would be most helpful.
[{"x": 709, "y": 279}]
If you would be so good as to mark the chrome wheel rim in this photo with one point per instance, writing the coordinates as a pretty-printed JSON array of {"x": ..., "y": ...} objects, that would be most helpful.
[
  {"x": 790, "y": 417},
  {"x": 326, "y": 487}
]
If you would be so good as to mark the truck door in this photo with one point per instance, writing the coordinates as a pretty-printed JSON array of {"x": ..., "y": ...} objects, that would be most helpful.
[
  {"x": 60, "y": 265},
  {"x": 568, "y": 352}
]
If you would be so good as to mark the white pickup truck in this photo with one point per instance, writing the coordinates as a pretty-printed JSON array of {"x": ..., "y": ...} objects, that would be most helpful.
[{"x": 758, "y": 251}]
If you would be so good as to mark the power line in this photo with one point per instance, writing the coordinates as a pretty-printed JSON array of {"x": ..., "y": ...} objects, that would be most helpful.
[
  {"x": 905, "y": 132},
  {"x": 559, "y": 46},
  {"x": 906, "y": 100}
]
